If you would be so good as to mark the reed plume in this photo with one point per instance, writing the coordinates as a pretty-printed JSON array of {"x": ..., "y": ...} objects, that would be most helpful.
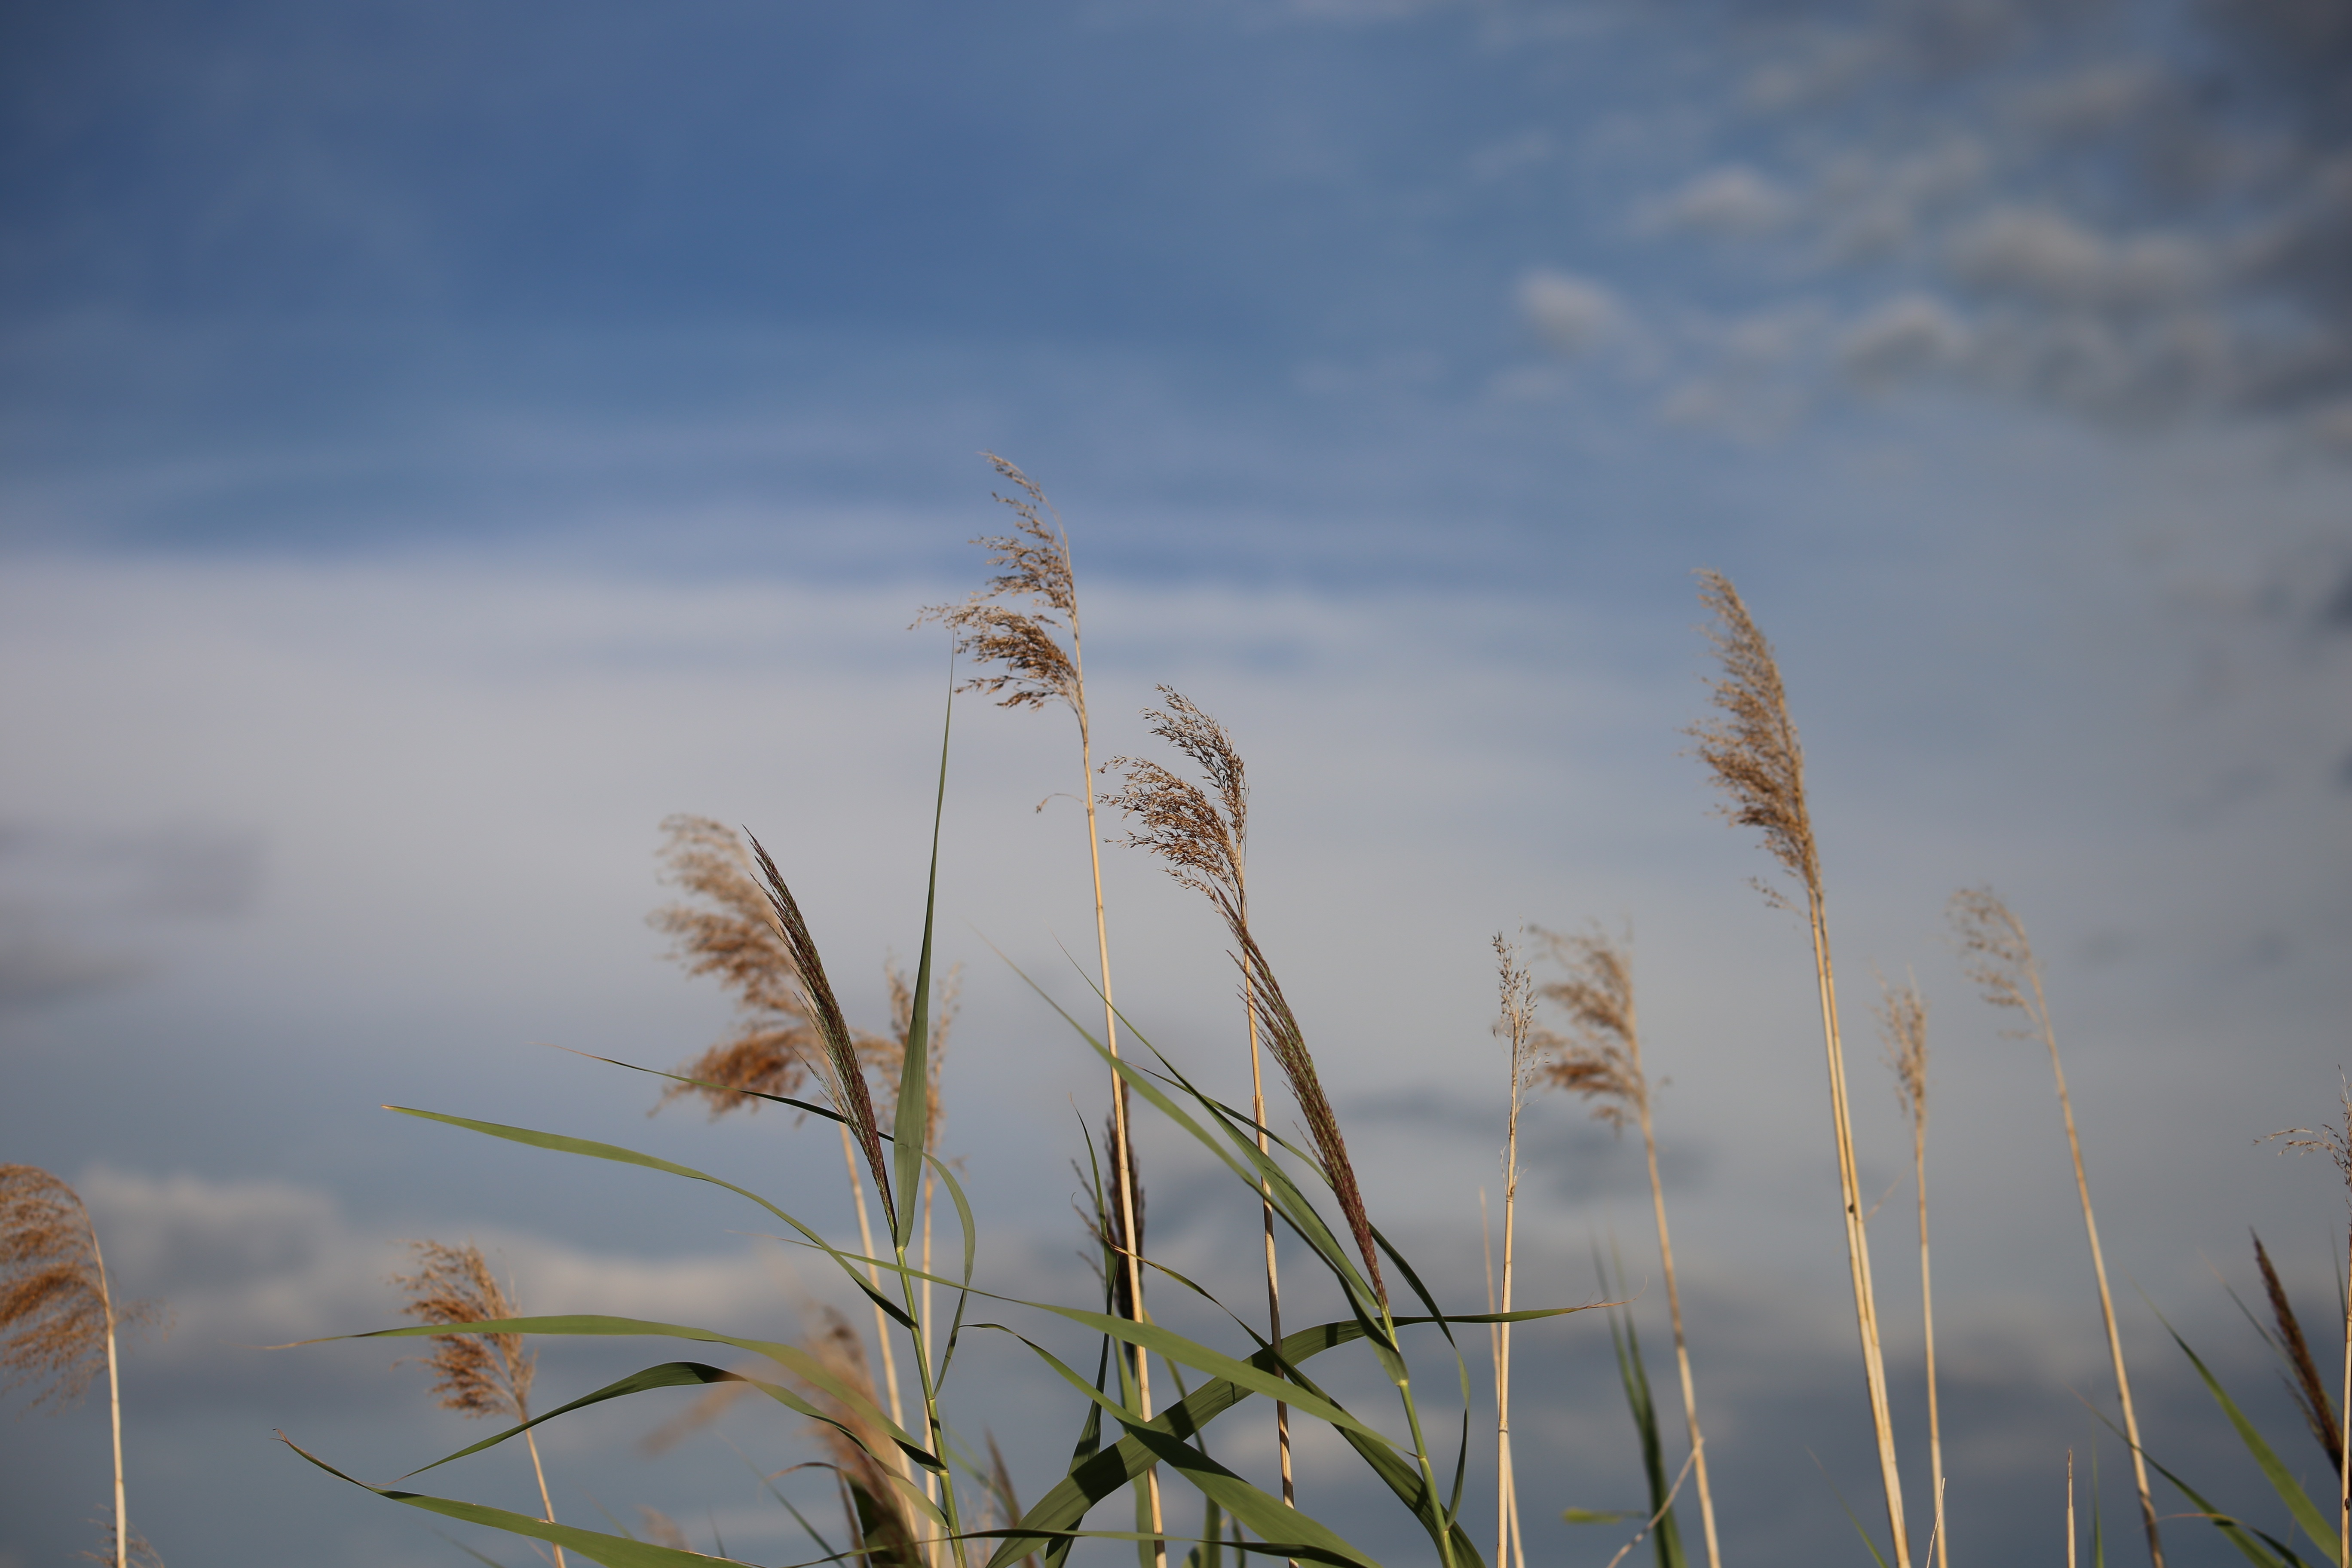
[
  {"x": 1203, "y": 836},
  {"x": 2336, "y": 1142},
  {"x": 1517, "y": 1029},
  {"x": 473, "y": 1375},
  {"x": 1902, "y": 1025},
  {"x": 139, "y": 1553},
  {"x": 1999, "y": 956},
  {"x": 1751, "y": 748},
  {"x": 731, "y": 932},
  {"x": 1013, "y": 626},
  {"x": 2304, "y": 1384},
  {"x": 58, "y": 1319},
  {"x": 1600, "y": 1058}
]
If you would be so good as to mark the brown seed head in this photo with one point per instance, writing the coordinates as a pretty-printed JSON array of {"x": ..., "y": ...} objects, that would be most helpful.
[
  {"x": 1598, "y": 1055},
  {"x": 53, "y": 1301},
  {"x": 478, "y": 1374},
  {"x": 142, "y": 1554},
  {"x": 1996, "y": 954},
  {"x": 1751, "y": 745},
  {"x": 2308, "y": 1387},
  {"x": 1200, "y": 833},
  {"x": 1516, "y": 1024},
  {"x": 857, "y": 1447},
  {"x": 1034, "y": 561},
  {"x": 730, "y": 933},
  {"x": 1903, "y": 1027}
]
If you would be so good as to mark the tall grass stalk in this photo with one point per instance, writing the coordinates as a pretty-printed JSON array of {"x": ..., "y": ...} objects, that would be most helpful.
[
  {"x": 2000, "y": 958},
  {"x": 1751, "y": 748},
  {"x": 1034, "y": 670},
  {"x": 1600, "y": 1058},
  {"x": 1506, "y": 1528},
  {"x": 1517, "y": 1027},
  {"x": 1902, "y": 1025},
  {"x": 59, "y": 1318}
]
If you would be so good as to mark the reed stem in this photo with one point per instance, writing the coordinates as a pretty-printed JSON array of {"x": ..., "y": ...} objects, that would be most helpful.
[{"x": 113, "y": 1392}]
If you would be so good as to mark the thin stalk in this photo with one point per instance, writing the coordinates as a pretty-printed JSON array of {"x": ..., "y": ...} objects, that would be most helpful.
[
  {"x": 1506, "y": 1501},
  {"x": 930, "y": 1192},
  {"x": 1266, "y": 1194},
  {"x": 547, "y": 1506},
  {"x": 1857, "y": 1240},
  {"x": 874, "y": 1273},
  {"x": 1674, "y": 1293},
  {"x": 114, "y": 1393},
  {"x": 2344, "y": 1476},
  {"x": 1123, "y": 1165},
  {"x": 1504, "y": 1470},
  {"x": 1927, "y": 1322},
  {"x": 2099, "y": 1268},
  {"x": 2070, "y": 1508},
  {"x": 1404, "y": 1382}
]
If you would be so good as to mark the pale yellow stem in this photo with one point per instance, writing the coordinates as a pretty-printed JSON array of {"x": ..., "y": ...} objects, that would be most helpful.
[
  {"x": 2099, "y": 1267},
  {"x": 930, "y": 1185},
  {"x": 1125, "y": 1163},
  {"x": 113, "y": 1391},
  {"x": 1857, "y": 1240},
  {"x": 1674, "y": 1293},
  {"x": 2344, "y": 1476},
  {"x": 1506, "y": 1488},
  {"x": 874, "y": 1274},
  {"x": 547, "y": 1507},
  {"x": 1927, "y": 1322}
]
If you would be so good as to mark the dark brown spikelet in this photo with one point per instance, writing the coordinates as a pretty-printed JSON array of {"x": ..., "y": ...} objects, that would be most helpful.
[
  {"x": 1289, "y": 1048},
  {"x": 1751, "y": 745},
  {"x": 1594, "y": 1056},
  {"x": 1104, "y": 1225},
  {"x": 2309, "y": 1389},
  {"x": 475, "y": 1374},
  {"x": 1200, "y": 833},
  {"x": 1033, "y": 564},
  {"x": 54, "y": 1303},
  {"x": 845, "y": 1077},
  {"x": 730, "y": 932}
]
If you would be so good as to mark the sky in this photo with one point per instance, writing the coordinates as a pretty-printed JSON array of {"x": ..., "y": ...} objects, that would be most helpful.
[{"x": 439, "y": 443}]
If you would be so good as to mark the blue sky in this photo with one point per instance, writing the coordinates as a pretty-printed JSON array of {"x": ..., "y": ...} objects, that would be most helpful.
[{"x": 439, "y": 442}]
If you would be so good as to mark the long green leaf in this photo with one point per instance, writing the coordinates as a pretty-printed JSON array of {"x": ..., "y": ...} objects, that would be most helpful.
[
  {"x": 914, "y": 1118},
  {"x": 2298, "y": 1502},
  {"x": 589, "y": 1148},
  {"x": 612, "y": 1551}
]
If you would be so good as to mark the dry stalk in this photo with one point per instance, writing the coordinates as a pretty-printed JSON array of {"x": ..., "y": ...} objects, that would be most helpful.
[
  {"x": 1517, "y": 1027},
  {"x": 58, "y": 1319},
  {"x": 1902, "y": 1025},
  {"x": 2336, "y": 1142},
  {"x": 2309, "y": 1393},
  {"x": 2000, "y": 958},
  {"x": 1032, "y": 670},
  {"x": 1600, "y": 1058},
  {"x": 1205, "y": 838},
  {"x": 1751, "y": 748},
  {"x": 474, "y": 1375}
]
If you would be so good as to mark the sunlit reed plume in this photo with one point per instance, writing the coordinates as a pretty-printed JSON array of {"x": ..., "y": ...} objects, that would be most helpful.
[
  {"x": 474, "y": 1375},
  {"x": 1599, "y": 1057},
  {"x": 882, "y": 1524},
  {"x": 1997, "y": 955},
  {"x": 1517, "y": 1029},
  {"x": 2336, "y": 1142},
  {"x": 58, "y": 1319},
  {"x": 1751, "y": 748},
  {"x": 731, "y": 933},
  {"x": 662, "y": 1530},
  {"x": 1012, "y": 625},
  {"x": 1902, "y": 1025},
  {"x": 1205, "y": 838},
  {"x": 2307, "y": 1388}
]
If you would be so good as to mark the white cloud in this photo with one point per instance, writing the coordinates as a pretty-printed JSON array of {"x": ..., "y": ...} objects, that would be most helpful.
[
  {"x": 1574, "y": 315},
  {"x": 1905, "y": 336},
  {"x": 2050, "y": 259},
  {"x": 1735, "y": 201}
]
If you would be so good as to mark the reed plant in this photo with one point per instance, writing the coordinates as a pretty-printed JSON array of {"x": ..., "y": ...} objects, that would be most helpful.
[
  {"x": 1599, "y": 1056},
  {"x": 1902, "y": 1026},
  {"x": 1517, "y": 1029},
  {"x": 473, "y": 1375},
  {"x": 59, "y": 1321},
  {"x": 1750, "y": 747},
  {"x": 1999, "y": 957}
]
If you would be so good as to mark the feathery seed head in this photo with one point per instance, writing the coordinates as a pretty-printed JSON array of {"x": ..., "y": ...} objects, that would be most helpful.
[
  {"x": 1750, "y": 746},
  {"x": 55, "y": 1307},
  {"x": 1902, "y": 1026},
  {"x": 1033, "y": 668},
  {"x": 1596, "y": 1056},
  {"x": 1516, "y": 1024},
  {"x": 2309, "y": 1389},
  {"x": 478, "y": 1374},
  {"x": 1996, "y": 954},
  {"x": 731, "y": 933},
  {"x": 1200, "y": 833}
]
